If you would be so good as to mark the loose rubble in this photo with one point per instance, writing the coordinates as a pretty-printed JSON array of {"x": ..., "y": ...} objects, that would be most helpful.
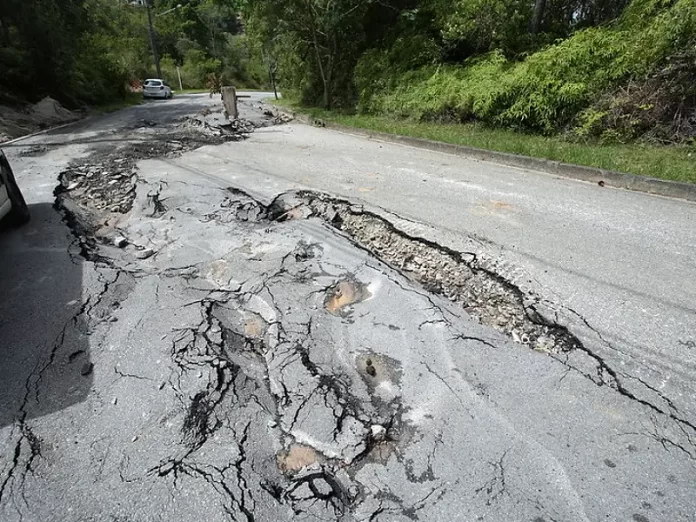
[
  {"x": 274, "y": 116},
  {"x": 103, "y": 184},
  {"x": 460, "y": 278},
  {"x": 213, "y": 122}
]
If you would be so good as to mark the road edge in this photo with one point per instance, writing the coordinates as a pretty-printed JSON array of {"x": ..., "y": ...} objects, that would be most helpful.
[
  {"x": 608, "y": 178},
  {"x": 41, "y": 132}
]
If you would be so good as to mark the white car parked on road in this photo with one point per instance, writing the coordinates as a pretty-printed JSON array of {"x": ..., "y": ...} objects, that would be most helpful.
[
  {"x": 12, "y": 204},
  {"x": 156, "y": 88}
]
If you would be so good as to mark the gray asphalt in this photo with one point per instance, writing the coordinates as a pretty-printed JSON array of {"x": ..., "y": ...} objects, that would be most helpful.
[
  {"x": 217, "y": 380},
  {"x": 617, "y": 266}
]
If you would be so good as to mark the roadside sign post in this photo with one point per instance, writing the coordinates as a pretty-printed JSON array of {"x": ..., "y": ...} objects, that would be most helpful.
[
  {"x": 178, "y": 73},
  {"x": 229, "y": 102}
]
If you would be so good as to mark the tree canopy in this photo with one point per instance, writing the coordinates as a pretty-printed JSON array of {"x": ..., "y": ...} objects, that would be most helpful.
[
  {"x": 615, "y": 68},
  {"x": 618, "y": 69},
  {"x": 86, "y": 51}
]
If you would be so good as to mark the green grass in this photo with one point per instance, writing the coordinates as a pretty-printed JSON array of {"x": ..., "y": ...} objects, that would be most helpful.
[
  {"x": 131, "y": 98},
  {"x": 190, "y": 91},
  {"x": 677, "y": 163},
  {"x": 206, "y": 91},
  {"x": 244, "y": 89}
]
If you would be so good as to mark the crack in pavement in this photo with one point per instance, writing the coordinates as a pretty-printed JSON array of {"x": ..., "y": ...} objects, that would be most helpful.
[
  {"x": 291, "y": 393},
  {"x": 495, "y": 487},
  {"x": 32, "y": 389},
  {"x": 436, "y": 268}
]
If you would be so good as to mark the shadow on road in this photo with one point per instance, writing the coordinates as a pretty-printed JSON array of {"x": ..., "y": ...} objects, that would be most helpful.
[{"x": 44, "y": 349}]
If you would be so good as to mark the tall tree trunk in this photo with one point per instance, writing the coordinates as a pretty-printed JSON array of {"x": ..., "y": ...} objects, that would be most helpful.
[
  {"x": 327, "y": 95},
  {"x": 538, "y": 15},
  {"x": 325, "y": 81}
]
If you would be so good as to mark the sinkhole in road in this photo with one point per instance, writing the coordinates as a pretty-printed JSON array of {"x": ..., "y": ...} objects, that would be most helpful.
[{"x": 482, "y": 293}]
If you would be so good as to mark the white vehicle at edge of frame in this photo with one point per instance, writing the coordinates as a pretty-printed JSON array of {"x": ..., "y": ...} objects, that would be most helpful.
[{"x": 13, "y": 208}]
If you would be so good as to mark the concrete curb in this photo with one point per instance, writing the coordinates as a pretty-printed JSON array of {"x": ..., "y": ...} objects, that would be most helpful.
[
  {"x": 39, "y": 133},
  {"x": 610, "y": 178}
]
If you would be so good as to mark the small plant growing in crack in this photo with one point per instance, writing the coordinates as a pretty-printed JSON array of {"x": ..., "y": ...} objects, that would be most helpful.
[{"x": 157, "y": 204}]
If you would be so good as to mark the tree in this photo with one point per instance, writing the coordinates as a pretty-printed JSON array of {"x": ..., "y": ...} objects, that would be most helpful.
[
  {"x": 40, "y": 36},
  {"x": 202, "y": 37},
  {"x": 472, "y": 27},
  {"x": 327, "y": 33}
]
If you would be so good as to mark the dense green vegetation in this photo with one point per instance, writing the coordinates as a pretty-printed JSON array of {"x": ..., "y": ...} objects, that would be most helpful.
[
  {"x": 90, "y": 51},
  {"x": 608, "y": 70}
]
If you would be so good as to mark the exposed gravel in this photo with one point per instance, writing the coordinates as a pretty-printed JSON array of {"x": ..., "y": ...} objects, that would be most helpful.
[
  {"x": 484, "y": 294},
  {"x": 103, "y": 184}
]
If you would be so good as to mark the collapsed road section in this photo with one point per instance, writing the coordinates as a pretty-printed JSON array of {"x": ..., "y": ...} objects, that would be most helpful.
[
  {"x": 304, "y": 361},
  {"x": 461, "y": 278}
]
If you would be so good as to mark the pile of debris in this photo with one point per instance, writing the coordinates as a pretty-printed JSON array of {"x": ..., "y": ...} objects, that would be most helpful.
[
  {"x": 51, "y": 112},
  {"x": 100, "y": 188},
  {"x": 274, "y": 116},
  {"x": 213, "y": 122},
  {"x": 101, "y": 185},
  {"x": 104, "y": 183}
]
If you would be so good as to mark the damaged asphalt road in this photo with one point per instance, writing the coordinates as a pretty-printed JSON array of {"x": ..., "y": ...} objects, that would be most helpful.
[{"x": 176, "y": 348}]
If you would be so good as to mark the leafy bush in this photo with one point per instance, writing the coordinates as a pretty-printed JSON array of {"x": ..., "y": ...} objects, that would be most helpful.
[
  {"x": 661, "y": 108},
  {"x": 549, "y": 89},
  {"x": 97, "y": 76},
  {"x": 197, "y": 66},
  {"x": 194, "y": 71},
  {"x": 378, "y": 70},
  {"x": 480, "y": 26},
  {"x": 243, "y": 65}
]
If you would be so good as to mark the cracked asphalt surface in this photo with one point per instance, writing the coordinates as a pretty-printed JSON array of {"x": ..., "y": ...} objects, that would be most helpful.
[{"x": 234, "y": 333}]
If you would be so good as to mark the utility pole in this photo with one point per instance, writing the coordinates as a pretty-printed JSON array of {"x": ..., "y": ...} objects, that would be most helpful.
[{"x": 153, "y": 40}]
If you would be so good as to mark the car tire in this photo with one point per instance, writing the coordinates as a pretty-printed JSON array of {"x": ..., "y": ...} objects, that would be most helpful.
[{"x": 19, "y": 214}]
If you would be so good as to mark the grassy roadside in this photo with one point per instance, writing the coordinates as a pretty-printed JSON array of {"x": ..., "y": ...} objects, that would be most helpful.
[
  {"x": 671, "y": 163},
  {"x": 206, "y": 91},
  {"x": 191, "y": 91}
]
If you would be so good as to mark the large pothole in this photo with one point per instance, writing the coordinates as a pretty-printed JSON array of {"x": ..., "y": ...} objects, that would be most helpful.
[
  {"x": 482, "y": 293},
  {"x": 94, "y": 192}
]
